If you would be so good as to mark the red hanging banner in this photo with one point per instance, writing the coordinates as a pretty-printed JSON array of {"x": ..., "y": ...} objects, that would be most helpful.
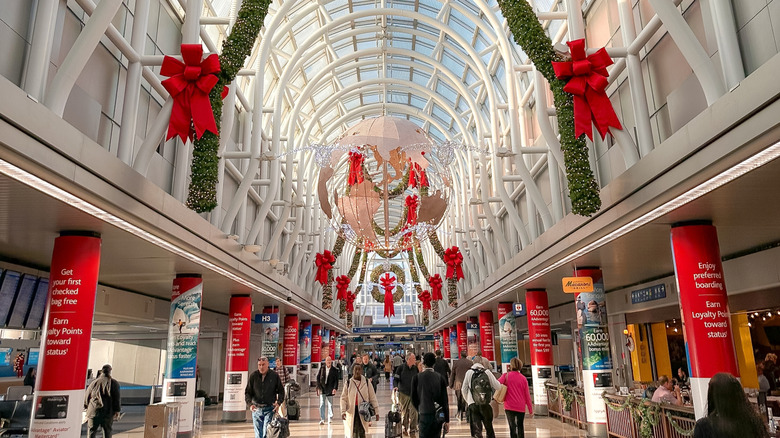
[
  {"x": 486, "y": 334},
  {"x": 290, "y": 340},
  {"x": 446, "y": 343},
  {"x": 462, "y": 338},
  {"x": 237, "y": 360},
  {"x": 316, "y": 343}
]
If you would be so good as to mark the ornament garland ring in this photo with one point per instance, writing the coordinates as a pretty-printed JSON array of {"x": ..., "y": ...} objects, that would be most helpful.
[{"x": 400, "y": 278}]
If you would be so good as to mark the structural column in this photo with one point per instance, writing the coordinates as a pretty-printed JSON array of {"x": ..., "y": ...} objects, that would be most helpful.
[
  {"x": 446, "y": 347},
  {"x": 454, "y": 352},
  {"x": 486, "y": 334},
  {"x": 703, "y": 306},
  {"x": 237, "y": 360},
  {"x": 472, "y": 338},
  {"x": 181, "y": 361},
  {"x": 290, "y": 346},
  {"x": 540, "y": 341},
  {"x": 66, "y": 334},
  {"x": 507, "y": 334},
  {"x": 304, "y": 354},
  {"x": 596, "y": 352},
  {"x": 332, "y": 352},
  {"x": 437, "y": 341},
  {"x": 462, "y": 338},
  {"x": 316, "y": 348}
]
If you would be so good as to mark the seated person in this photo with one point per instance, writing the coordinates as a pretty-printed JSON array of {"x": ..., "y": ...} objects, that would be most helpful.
[{"x": 666, "y": 392}]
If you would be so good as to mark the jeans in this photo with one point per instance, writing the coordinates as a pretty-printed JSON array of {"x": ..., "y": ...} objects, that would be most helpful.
[
  {"x": 479, "y": 415},
  {"x": 515, "y": 420},
  {"x": 100, "y": 421},
  {"x": 261, "y": 417},
  {"x": 326, "y": 400},
  {"x": 429, "y": 427}
]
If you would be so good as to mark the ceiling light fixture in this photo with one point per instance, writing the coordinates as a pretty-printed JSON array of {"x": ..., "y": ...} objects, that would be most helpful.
[
  {"x": 45, "y": 187},
  {"x": 751, "y": 163}
]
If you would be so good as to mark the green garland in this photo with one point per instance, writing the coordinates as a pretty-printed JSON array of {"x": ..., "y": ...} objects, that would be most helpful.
[
  {"x": 647, "y": 414},
  {"x": 452, "y": 284},
  {"x": 568, "y": 397},
  {"x": 530, "y": 35},
  {"x": 202, "y": 196},
  {"x": 677, "y": 428},
  {"x": 399, "y": 189},
  {"x": 615, "y": 406},
  {"x": 421, "y": 260},
  {"x": 327, "y": 289}
]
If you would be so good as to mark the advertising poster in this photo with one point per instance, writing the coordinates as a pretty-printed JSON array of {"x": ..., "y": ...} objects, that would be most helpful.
[
  {"x": 462, "y": 338},
  {"x": 316, "y": 343},
  {"x": 325, "y": 348},
  {"x": 507, "y": 334},
  {"x": 472, "y": 339},
  {"x": 445, "y": 343},
  {"x": 237, "y": 361},
  {"x": 182, "y": 351},
  {"x": 290, "y": 341},
  {"x": 454, "y": 354},
  {"x": 540, "y": 341},
  {"x": 486, "y": 334},
  {"x": 332, "y": 345},
  {"x": 304, "y": 340},
  {"x": 66, "y": 333},
  {"x": 269, "y": 323},
  {"x": 5, "y": 356}
]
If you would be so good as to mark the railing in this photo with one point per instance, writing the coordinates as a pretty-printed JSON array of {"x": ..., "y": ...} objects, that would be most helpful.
[
  {"x": 556, "y": 404},
  {"x": 628, "y": 417}
]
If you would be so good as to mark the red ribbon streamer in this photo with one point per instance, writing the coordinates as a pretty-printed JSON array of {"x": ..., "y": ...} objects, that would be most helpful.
[
  {"x": 425, "y": 299},
  {"x": 324, "y": 262},
  {"x": 189, "y": 84},
  {"x": 436, "y": 283},
  {"x": 388, "y": 284},
  {"x": 342, "y": 284},
  {"x": 454, "y": 259},
  {"x": 350, "y": 297},
  {"x": 355, "y": 168},
  {"x": 412, "y": 202},
  {"x": 587, "y": 77},
  {"x": 417, "y": 176}
]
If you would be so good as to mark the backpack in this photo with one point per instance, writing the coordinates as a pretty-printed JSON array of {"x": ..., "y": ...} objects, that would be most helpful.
[{"x": 481, "y": 389}]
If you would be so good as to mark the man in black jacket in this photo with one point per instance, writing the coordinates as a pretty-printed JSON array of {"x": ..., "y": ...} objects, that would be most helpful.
[
  {"x": 102, "y": 403},
  {"x": 370, "y": 371},
  {"x": 402, "y": 380},
  {"x": 327, "y": 384},
  {"x": 459, "y": 370},
  {"x": 441, "y": 366},
  {"x": 264, "y": 394},
  {"x": 429, "y": 391}
]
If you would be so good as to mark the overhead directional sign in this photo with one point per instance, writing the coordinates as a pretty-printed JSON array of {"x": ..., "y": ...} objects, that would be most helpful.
[{"x": 392, "y": 329}]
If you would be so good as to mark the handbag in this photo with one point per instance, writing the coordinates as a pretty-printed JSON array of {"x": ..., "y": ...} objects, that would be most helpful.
[
  {"x": 439, "y": 415},
  {"x": 278, "y": 427},
  {"x": 500, "y": 395},
  {"x": 365, "y": 409}
]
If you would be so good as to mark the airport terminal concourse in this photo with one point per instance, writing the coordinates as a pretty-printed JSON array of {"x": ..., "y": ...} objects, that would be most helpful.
[{"x": 576, "y": 198}]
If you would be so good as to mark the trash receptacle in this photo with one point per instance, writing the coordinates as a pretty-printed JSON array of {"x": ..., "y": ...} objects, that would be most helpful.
[{"x": 161, "y": 420}]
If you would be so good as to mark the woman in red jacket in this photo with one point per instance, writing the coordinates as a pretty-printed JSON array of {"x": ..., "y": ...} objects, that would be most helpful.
[{"x": 518, "y": 398}]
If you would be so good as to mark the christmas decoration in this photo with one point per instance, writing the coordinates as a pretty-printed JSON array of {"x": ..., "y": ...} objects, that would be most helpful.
[
  {"x": 435, "y": 283},
  {"x": 202, "y": 196},
  {"x": 342, "y": 284},
  {"x": 412, "y": 203},
  {"x": 530, "y": 35},
  {"x": 355, "y": 168},
  {"x": 388, "y": 284},
  {"x": 454, "y": 259},
  {"x": 350, "y": 298},
  {"x": 417, "y": 176},
  {"x": 425, "y": 299},
  {"x": 400, "y": 279},
  {"x": 587, "y": 80},
  {"x": 189, "y": 84},
  {"x": 324, "y": 262}
]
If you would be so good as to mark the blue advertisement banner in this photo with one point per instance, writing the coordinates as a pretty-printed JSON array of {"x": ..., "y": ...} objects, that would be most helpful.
[
  {"x": 595, "y": 349},
  {"x": 454, "y": 354},
  {"x": 269, "y": 323},
  {"x": 507, "y": 335},
  {"x": 304, "y": 342},
  {"x": 183, "y": 333},
  {"x": 5, "y": 356}
]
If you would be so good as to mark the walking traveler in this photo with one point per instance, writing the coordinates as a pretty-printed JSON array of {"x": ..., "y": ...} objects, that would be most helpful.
[
  {"x": 388, "y": 367},
  {"x": 729, "y": 413},
  {"x": 402, "y": 379},
  {"x": 518, "y": 398},
  {"x": 459, "y": 370},
  {"x": 357, "y": 392},
  {"x": 370, "y": 371},
  {"x": 478, "y": 388},
  {"x": 441, "y": 366},
  {"x": 103, "y": 403},
  {"x": 264, "y": 394},
  {"x": 429, "y": 398},
  {"x": 327, "y": 384}
]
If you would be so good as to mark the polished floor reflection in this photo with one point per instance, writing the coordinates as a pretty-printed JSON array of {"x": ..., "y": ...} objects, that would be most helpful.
[{"x": 308, "y": 426}]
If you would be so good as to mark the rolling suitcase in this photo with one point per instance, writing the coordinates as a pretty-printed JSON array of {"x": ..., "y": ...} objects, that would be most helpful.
[
  {"x": 393, "y": 427},
  {"x": 293, "y": 410}
]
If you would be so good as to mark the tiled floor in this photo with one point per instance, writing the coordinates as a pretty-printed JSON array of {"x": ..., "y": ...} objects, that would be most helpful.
[{"x": 308, "y": 426}]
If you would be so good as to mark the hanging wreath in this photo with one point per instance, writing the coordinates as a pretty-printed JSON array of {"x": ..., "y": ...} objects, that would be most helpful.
[
  {"x": 400, "y": 277},
  {"x": 530, "y": 35},
  {"x": 202, "y": 196}
]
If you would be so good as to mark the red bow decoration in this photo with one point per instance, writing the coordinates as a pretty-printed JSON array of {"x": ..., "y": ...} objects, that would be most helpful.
[
  {"x": 454, "y": 259},
  {"x": 435, "y": 282},
  {"x": 342, "y": 284},
  {"x": 412, "y": 202},
  {"x": 425, "y": 299},
  {"x": 190, "y": 83},
  {"x": 414, "y": 179},
  {"x": 355, "y": 168},
  {"x": 350, "y": 297},
  {"x": 388, "y": 284},
  {"x": 324, "y": 262},
  {"x": 587, "y": 77}
]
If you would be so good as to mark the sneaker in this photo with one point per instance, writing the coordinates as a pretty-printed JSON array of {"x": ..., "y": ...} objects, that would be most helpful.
[{"x": 321, "y": 422}]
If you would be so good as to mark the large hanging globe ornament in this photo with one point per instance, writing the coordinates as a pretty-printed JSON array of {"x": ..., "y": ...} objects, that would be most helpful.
[{"x": 385, "y": 184}]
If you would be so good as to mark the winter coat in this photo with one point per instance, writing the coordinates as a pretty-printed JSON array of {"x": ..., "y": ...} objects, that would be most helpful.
[{"x": 348, "y": 395}]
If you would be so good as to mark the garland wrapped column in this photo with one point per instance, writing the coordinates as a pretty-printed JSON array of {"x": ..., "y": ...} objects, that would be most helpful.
[
  {"x": 202, "y": 196},
  {"x": 530, "y": 35},
  {"x": 454, "y": 259}
]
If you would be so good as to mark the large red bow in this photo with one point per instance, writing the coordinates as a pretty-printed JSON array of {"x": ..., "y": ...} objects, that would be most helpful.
[
  {"x": 435, "y": 282},
  {"x": 189, "y": 84},
  {"x": 425, "y": 299},
  {"x": 412, "y": 202},
  {"x": 342, "y": 284},
  {"x": 355, "y": 168},
  {"x": 454, "y": 259},
  {"x": 587, "y": 81},
  {"x": 324, "y": 262},
  {"x": 388, "y": 284},
  {"x": 414, "y": 179},
  {"x": 350, "y": 297}
]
